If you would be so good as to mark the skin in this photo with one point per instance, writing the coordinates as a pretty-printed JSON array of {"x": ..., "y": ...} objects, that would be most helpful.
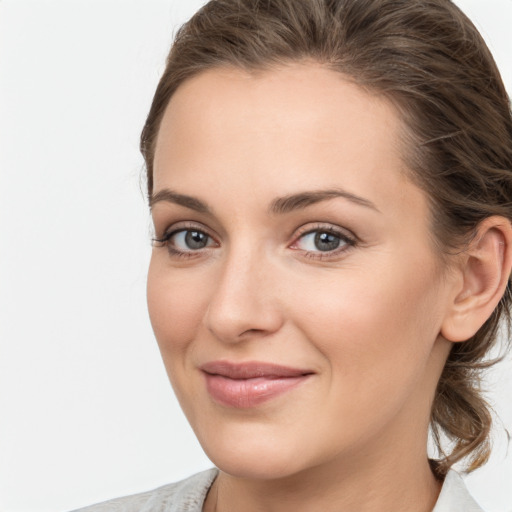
[{"x": 367, "y": 318}]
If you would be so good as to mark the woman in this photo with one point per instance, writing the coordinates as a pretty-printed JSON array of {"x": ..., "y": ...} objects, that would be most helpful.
[{"x": 330, "y": 184}]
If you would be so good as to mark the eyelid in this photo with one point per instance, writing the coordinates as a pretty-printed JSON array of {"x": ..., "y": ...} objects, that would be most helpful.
[
  {"x": 343, "y": 233},
  {"x": 177, "y": 227},
  {"x": 350, "y": 240}
]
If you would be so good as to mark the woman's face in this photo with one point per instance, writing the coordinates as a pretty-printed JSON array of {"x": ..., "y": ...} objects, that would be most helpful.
[{"x": 294, "y": 293}]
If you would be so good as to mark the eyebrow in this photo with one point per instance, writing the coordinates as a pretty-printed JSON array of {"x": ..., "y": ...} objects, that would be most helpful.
[
  {"x": 278, "y": 206},
  {"x": 181, "y": 199},
  {"x": 302, "y": 200}
]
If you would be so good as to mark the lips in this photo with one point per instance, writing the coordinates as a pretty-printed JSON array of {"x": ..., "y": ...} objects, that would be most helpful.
[{"x": 250, "y": 384}]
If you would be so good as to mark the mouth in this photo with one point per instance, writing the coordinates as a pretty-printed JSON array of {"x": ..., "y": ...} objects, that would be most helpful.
[{"x": 245, "y": 385}]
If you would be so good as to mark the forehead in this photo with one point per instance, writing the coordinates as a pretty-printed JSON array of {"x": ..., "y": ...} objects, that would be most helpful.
[{"x": 300, "y": 124}]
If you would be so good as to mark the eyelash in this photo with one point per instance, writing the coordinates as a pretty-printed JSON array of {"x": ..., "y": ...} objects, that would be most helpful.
[
  {"x": 164, "y": 241},
  {"x": 349, "y": 242}
]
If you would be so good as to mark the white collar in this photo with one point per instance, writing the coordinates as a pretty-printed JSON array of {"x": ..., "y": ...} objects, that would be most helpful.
[{"x": 455, "y": 497}]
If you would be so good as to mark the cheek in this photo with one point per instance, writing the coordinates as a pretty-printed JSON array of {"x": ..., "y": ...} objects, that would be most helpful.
[
  {"x": 175, "y": 305},
  {"x": 375, "y": 329}
]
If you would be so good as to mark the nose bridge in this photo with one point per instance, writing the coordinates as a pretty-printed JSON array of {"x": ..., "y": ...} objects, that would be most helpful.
[{"x": 244, "y": 299}]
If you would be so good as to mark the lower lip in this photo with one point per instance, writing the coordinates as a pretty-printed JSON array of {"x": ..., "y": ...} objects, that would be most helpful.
[{"x": 246, "y": 393}]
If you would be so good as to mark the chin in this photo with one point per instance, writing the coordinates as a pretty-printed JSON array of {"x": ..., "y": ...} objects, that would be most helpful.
[
  {"x": 258, "y": 468},
  {"x": 257, "y": 458}
]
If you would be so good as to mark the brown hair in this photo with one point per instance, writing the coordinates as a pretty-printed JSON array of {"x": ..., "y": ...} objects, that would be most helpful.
[{"x": 429, "y": 60}]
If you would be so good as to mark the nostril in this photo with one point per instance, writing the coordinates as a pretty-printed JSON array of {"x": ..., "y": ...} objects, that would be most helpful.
[{"x": 252, "y": 331}]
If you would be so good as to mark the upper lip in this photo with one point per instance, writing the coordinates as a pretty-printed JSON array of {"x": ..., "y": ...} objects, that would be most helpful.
[{"x": 251, "y": 370}]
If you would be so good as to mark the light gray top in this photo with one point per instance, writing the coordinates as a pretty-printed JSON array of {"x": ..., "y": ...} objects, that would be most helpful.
[{"x": 189, "y": 494}]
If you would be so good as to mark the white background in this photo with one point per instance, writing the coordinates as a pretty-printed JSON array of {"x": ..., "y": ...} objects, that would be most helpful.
[{"x": 86, "y": 412}]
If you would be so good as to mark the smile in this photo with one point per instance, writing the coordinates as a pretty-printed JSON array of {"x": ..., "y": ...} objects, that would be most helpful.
[{"x": 250, "y": 384}]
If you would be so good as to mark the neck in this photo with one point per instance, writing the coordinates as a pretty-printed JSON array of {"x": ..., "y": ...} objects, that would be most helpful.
[{"x": 416, "y": 492}]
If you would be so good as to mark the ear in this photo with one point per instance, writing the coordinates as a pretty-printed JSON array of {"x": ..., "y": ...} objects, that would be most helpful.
[{"x": 484, "y": 273}]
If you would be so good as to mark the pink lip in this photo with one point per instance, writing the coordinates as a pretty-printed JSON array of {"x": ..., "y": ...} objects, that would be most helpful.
[{"x": 250, "y": 384}]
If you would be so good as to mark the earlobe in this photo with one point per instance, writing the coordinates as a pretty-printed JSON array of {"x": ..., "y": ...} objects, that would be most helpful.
[{"x": 485, "y": 270}]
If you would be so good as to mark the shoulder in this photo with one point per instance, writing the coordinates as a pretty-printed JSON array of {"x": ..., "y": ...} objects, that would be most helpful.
[
  {"x": 454, "y": 496},
  {"x": 185, "y": 496}
]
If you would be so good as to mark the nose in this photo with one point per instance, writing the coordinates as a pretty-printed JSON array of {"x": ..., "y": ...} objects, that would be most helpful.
[{"x": 244, "y": 303}]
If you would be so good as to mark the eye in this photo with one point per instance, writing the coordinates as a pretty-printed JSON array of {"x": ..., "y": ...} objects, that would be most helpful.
[
  {"x": 189, "y": 240},
  {"x": 185, "y": 242},
  {"x": 323, "y": 242},
  {"x": 319, "y": 241}
]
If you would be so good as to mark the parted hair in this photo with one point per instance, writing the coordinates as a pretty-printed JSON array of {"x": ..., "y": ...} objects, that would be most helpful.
[{"x": 429, "y": 60}]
